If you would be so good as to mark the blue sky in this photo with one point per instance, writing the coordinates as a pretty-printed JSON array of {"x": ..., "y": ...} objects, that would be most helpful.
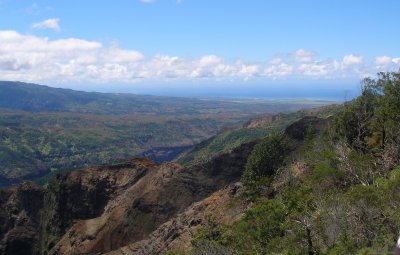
[{"x": 170, "y": 45}]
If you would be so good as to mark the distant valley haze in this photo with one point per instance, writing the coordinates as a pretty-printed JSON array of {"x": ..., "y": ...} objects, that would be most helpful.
[{"x": 323, "y": 90}]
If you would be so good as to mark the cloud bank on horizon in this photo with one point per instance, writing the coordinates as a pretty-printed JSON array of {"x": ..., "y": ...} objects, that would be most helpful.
[{"x": 31, "y": 58}]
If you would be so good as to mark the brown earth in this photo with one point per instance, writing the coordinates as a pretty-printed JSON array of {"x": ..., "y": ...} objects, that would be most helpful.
[
  {"x": 137, "y": 207},
  {"x": 102, "y": 209}
]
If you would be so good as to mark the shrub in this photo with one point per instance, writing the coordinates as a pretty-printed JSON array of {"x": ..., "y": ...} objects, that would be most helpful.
[{"x": 265, "y": 158}]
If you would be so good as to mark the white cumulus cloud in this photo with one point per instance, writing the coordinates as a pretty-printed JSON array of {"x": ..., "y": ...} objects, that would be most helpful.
[
  {"x": 48, "y": 24},
  {"x": 276, "y": 61},
  {"x": 39, "y": 59},
  {"x": 383, "y": 60},
  {"x": 316, "y": 69},
  {"x": 351, "y": 59},
  {"x": 303, "y": 55},
  {"x": 279, "y": 70}
]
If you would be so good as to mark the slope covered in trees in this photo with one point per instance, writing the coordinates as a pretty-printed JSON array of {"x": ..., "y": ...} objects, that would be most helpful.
[
  {"x": 331, "y": 186},
  {"x": 256, "y": 128}
]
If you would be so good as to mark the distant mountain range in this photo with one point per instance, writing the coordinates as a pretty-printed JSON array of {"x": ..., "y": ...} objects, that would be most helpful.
[{"x": 38, "y": 98}]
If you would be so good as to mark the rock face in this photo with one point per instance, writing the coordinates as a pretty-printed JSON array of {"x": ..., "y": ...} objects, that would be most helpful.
[
  {"x": 261, "y": 121},
  {"x": 137, "y": 207},
  {"x": 110, "y": 208},
  {"x": 152, "y": 201},
  {"x": 19, "y": 219},
  {"x": 33, "y": 219},
  {"x": 176, "y": 234},
  {"x": 82, "y": 195}
]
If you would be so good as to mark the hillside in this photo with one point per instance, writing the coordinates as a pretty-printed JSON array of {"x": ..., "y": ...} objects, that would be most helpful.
[
  {"x": 38, "y": 98},
  {"x": 323, "y": 186},
  {"x": 78, "y": 213},
  {"x": 45, "y": 142},
  {"x": 255, "y": 128},
  {"x": 44, "y": 129}
]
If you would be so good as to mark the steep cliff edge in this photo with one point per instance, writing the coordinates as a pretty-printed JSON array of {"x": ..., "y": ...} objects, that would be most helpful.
[
  {"x": 136, "y": 207},
  {"x": 155, "y": 199},
  {"x": 102, "y": 209},
  {"x": 177, "y": 233},
  {"x": 33, "y": 219},
  {"x": 19, "y": 219}
]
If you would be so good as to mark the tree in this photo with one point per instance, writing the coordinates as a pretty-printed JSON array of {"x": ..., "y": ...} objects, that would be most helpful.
[
  {"x": 265, "y": 158},
  {"x": 354, "y": 121}
]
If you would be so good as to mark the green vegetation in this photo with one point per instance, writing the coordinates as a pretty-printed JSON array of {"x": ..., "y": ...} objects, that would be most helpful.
[
  {"x": 265, "y": 158},
  {"x": 336, "y": 193},
  {"x": 230, "y": 139},
  {"x": 37, "y": 98},
  {"x": 31, "y": 144},
  {"x": 44, "y": 130}
]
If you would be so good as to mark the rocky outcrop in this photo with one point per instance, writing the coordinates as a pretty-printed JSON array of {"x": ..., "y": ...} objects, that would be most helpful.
[
  {"x": 84, "y": 194},
  {"x": 103, "y": 209},
  {"x": 154, "y": 200},
  {"x": 262, "y": 121},
  {"x": 19, "y": 219},
  {"x": 33, "y": 219},
  {"x": 177, "y": 233},
  {"x": 137, "y": 207}
]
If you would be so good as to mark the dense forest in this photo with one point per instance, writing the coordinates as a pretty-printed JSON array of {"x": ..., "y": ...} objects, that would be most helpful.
[{"x": 333, "y": 189}]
